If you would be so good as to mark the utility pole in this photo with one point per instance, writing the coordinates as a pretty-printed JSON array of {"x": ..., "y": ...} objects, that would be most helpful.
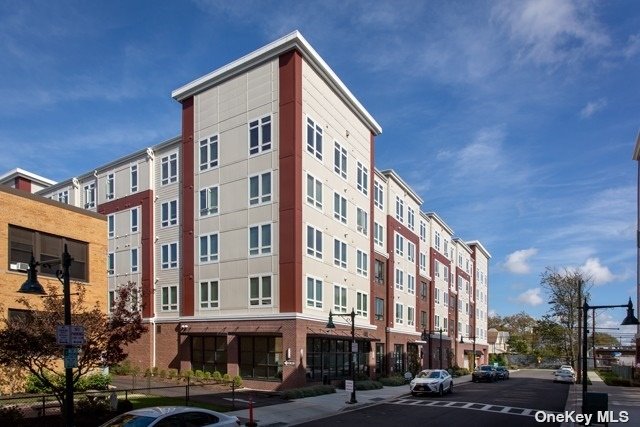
[{"x": 580, "y": 347}]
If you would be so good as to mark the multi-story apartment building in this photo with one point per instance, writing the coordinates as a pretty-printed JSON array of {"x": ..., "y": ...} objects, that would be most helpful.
[{"x": 266, "y": 214}]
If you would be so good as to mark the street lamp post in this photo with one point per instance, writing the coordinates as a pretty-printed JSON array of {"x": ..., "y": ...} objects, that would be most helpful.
[
  {"x": 32, "y": 286},
  {"x": 331, "y": 325},
  {"x": 473, "y": 368},
  {"x": 426, "y": 336},
  {"x": 629, "y": 320}
]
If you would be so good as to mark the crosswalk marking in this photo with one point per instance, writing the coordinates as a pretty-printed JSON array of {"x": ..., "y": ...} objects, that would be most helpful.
[{"x": 511, "y": 410}]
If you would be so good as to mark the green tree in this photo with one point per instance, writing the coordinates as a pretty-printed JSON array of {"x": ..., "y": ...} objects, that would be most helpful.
[{"x": 548, "y": 338}]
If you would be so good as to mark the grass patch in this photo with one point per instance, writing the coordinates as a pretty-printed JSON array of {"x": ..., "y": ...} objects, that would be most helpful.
[{"x": 146, "y": 401}]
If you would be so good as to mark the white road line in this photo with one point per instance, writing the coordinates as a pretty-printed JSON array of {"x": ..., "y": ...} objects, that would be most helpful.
[{"x": 510, "y": 410}]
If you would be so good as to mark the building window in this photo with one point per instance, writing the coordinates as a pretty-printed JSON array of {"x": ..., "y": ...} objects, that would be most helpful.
[
  {"x": 133, "y": 220},
  {"x": 398, "y": 356},
  {"x": 209, "y": 353},
  {"x": 424, "y": 290},
  {"x": 340, "y": 160},
  {"x": 423, "y": 231},
  {"x": 411, "y": 316},
  {"x": 63, "y": 196},
  {"x": 423, "y": 262},
  {"x": 423, "y": 319},
  {"x": 378, "y": 234},
  {"x": 261, "y": 357},
  {"x": 169, "y": 253},
  {"x": 399, "y": 209},
  {"x": 169, "y": 169},
  {"x": 314, "y": 139},
  {"x": 411, "y": 218},
  {"x": 362, "y": 304},
  {"x": 260, "y": 291},
  {"x": 133, "y": 178},
  {"x": 209, "y": 248},
  {"x": 260, "y": 135},
  {"x": 110, "y": 186},
  {"x": 399, "y": 279},
  {"x": 437, "y": 321},
  {"x": 339, "y": 208},
  {"x": 379, "y": 271},
  {"x": 362, "y": 221},
  {"x": 260, "y": 239},
  {"x": 111, "y": 303},
  {"x": 111, "y": 263},
  {"x": 169, "y": 298},
  {"x": 111, "y": 226},
  {"x": 399, "y": 313},
  {"x": 314, "y": 192},
  {"x": 134, "y": 260},
  {"x": 339, "y": 253},
  {"x": 209, "y": 201},
  {"x": 379, "y": 309},
  {"x": 411, "y": 284},
  {"x": 90, "y": 195},
  {"x": 208, "y": 153},
  {"x": 363, "y": 179},
  {"x": 437, "y": 241},
  {"x": 411, "y": 252},
  {"x": 169, "y": 213},
  {"x": 362, "y": 264},
  {"x": 209, "y": 294},
  {"x": 445, "y": 298},
  {"x": 339, "y": 299},
  {"x": 260, "y": 189},
  {"x": 314, "y": 292},
  {"x": 378, "y": 195},
  {"x": 314, "y": 242},
  {"x": 399, "y": 244},
  {"x": 437, "y": 296}
]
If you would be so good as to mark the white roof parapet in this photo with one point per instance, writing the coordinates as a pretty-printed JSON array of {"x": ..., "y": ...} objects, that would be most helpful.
[
  {"x": 293, "y": 40},
  {"x": 13, "y": 173},
  {"x": 477, "y": 244},
  {"x": 390, "y": 173},
  {"x": 440, "y": 221},
  {"x": 463, "y": 244}
]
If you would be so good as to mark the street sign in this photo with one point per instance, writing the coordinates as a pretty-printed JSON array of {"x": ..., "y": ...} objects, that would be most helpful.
[
  {"x": 348, "y": 386},
  {"x": 70, "y": 335},
  {"x": 62, "y": 335},
  {"x": 70, "y": 357},
  {"x": 354, "y": 347},
  {"x": 77, "y": 335}
]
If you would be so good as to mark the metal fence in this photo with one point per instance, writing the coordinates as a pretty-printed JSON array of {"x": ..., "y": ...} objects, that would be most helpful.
[{"x": 622, "y": 371}]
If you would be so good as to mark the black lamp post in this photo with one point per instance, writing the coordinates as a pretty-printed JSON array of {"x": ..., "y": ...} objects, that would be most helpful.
[
  {"x": 426, "y": 336},
  {"x": 629, "y": 320},
  {"x": 331, "y": 325},
  {"x": 32, "y": 286},
  {"x": 473, "y": 367}
]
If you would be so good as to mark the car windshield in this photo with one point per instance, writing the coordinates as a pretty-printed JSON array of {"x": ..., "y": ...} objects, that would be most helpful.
[
  {"x": 486, "y": 368},
  {"x": 429, "y": 374},
  {"x": 501, "y": 368},
  {"x": 129, "y": 420}
]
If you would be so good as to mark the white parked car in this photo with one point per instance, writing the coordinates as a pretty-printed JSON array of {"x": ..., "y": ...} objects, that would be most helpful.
[
  {"x": 564, "y": 376},
  {"x": 162, "y": 416},
  {"x": 569, "y": 367},
  {"x": 432, "y": 381}
]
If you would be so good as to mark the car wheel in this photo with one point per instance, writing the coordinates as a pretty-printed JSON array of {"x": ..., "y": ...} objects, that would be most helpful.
[
  {"x": 451, "y": 387},
  {"x": 441, "y": 391}
]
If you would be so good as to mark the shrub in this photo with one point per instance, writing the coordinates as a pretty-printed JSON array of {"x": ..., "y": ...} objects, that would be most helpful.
[
  {"x": 123, "y": 368},
  {"x": 237, "y": 381},
  {"x": 147, "y": 373},
  {"x": 198, "y": 374},
  {"x": 163, "y": 373},
  {"x": 217, "y": 376},
  {"x": 187, "y": 374},
  {"x": 10, "y": 414},
  {"x": 368, "y": 385},
  {"x": 207, "y": 375},
  {"x": 95, "y": 407},
  {"x": 393, "y": 381},
  {"x": 315, "y": 390},
  {"x": 154, "y": 371},
  {"x": 172, "y": 373},
  {"x": 226, "y": 378},
  {"x": 35, "y": 385},
  {"x": 93, "y": 382}
]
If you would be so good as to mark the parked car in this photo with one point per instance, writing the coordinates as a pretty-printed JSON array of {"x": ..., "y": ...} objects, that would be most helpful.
[
  {"x": 161, "y": 416},
  {"x": 432, "y": 381},
  {"x": 486, "y": 373},
  {"x": 502, "y": 373},
  {"x": 569, "y": 367},
  {"x": 564, "y": 376}
]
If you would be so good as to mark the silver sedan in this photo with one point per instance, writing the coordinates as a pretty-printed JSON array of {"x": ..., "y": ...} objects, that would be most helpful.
[{"x": 432, "y": 381}]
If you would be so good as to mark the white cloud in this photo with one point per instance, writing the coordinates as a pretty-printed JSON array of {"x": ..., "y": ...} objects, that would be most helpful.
[
  {"x": 633, "y": 46},
  {"x": 592, "y": 107},
  {"x": 599, "y": 273},
  {"x": 517, "y": 261},
  {"x": 530, "y": 297}
]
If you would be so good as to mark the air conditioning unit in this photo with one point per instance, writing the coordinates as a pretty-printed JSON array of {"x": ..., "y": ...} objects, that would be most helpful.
[{"x": 19, "y": 266}]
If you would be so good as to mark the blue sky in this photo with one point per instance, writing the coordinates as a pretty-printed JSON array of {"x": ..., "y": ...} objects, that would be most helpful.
[{"x": 514, "y": 120}]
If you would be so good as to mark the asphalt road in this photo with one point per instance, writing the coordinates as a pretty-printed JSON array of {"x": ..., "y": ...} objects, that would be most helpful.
[{"x": 512, "y": 402}]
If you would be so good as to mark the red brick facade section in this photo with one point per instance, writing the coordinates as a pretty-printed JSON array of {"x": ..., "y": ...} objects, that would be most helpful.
[
  {"x": 290, "y": 163},
  {"x": 144, "y": 199},
  {"x": 187, "y": 208},
  {"x": 433, "y": 256}
]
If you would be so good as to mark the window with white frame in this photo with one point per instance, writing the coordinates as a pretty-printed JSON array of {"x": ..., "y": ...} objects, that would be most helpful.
[
  {"x": 363, "y": 179},
  {"x": 399, "y": 247},
  {"x": 340, "y": 160},
  {"x": 134, "y": 260},
  {"x": 411, "y": 284},
  {"x": 90, "y": 195},
  {"x": 411, "y": 316},
  {"x": 209, "y": 201},
  {"x": 399, "y": 313},
  {"x": 399, "y": 279},
  {"x": 314, "y": 139},
  {"x": 459, "y": 327},
  {"x": 260, "y": 135},
  {"x": 63, "y": 196},
  {"x": 209, "y": 153},
  {"x": 424, "y": 290},
  {"x": 423, "y": 231},
  {"x": 445, "y": 299},
  {"x": 379, "y": 314},
  {"x": 260, "y": 189},
  {"x": 459, "y": 282},
  {"x": 436, "y": 296},
  {"x": 362, "y": 221},
  {"x": 169, "y": 298},
  {"x": 466, "y": 308},
  {"x": 111, "y": 303},
  {"x": 362, "y": 263},
  {"x": 362, "y": 304},
  {"x": 314, "y": 192},
  {"x": 436, "y": 268},
  {"x": 399, "y": 209},
  {"x": 260, "y": 239},
  {"x": 378, "y": 234},
  {"x": 209, "y": 248},
  {"x": 460, "y": 260},
  {"x": 111, "y": 263},
  {"x": 437, "y": 241},
  {"x": 445, "y": 273},
  {"x": 133, "y": 219},
  {"x": 445, "y": 324},
  {"x": 339, "y": 253},
  {"x": 111, "y": 226},
  {"x": 169, "y": 169},
  {"x": 169, "y": 213},
  {"x": 110, "y": 186},
  {"x": 133, "y": 178},
  {"x": 339, "y": 298},
  {"x": 314, "y": 242},
  {"x": 411, "y": 251},
  {"x": 169, "y": 254},
  {"x": 378, "y": 195},
  {"x": 468, "y": 328},
  {"x": 459, "y": 304},
  {"x": 446, "y": 247},
  {"x": 423, "y": 262},
  {"x": 314, "y": 292},
  {"x": 436, "y": 321},
  {"x": 411, "y": 218},
  {"x": 339, "y": 208},
  {"x": 260, "y": 291},
  {"x": 209, "y": 294}
]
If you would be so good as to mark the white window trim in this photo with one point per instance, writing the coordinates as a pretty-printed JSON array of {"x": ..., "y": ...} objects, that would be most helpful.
[
  {"x": 317, "y": 254},
  {"x": 209, "y": 210},
  {"x": 312, "y": 150},
  {"x": 362, "y": 270},
  {"x": 209, "y": 255},
  {"x": 342, "y": 308},
  {"x": 314, "y": 203},
  {"x": 169, "y": 260},
  {"x": 260, "y": 247},
  {"x": 262, "y": 198},
  {"x": 208, "y": 163},
  {"x": 209, "y": 302},
  {"x": 136, "y": 228},
  {"x": 362, "y": 297},
  {"x": 314, "y": 303},
  {"x": 134, "y": 168},
  {"x": 137, "y": 260},
  {"x": 342, "y": 169},
  {"x": 339, "y": 261},
  {"x": 260, "y": 296},
  {"x": 170, "y": 304},
  {"x": 338, "y": 214},
  {"x": 170, "y": 222},
  {"x": 170, "y": 179},
  {"x": 262, "y": 147}
]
